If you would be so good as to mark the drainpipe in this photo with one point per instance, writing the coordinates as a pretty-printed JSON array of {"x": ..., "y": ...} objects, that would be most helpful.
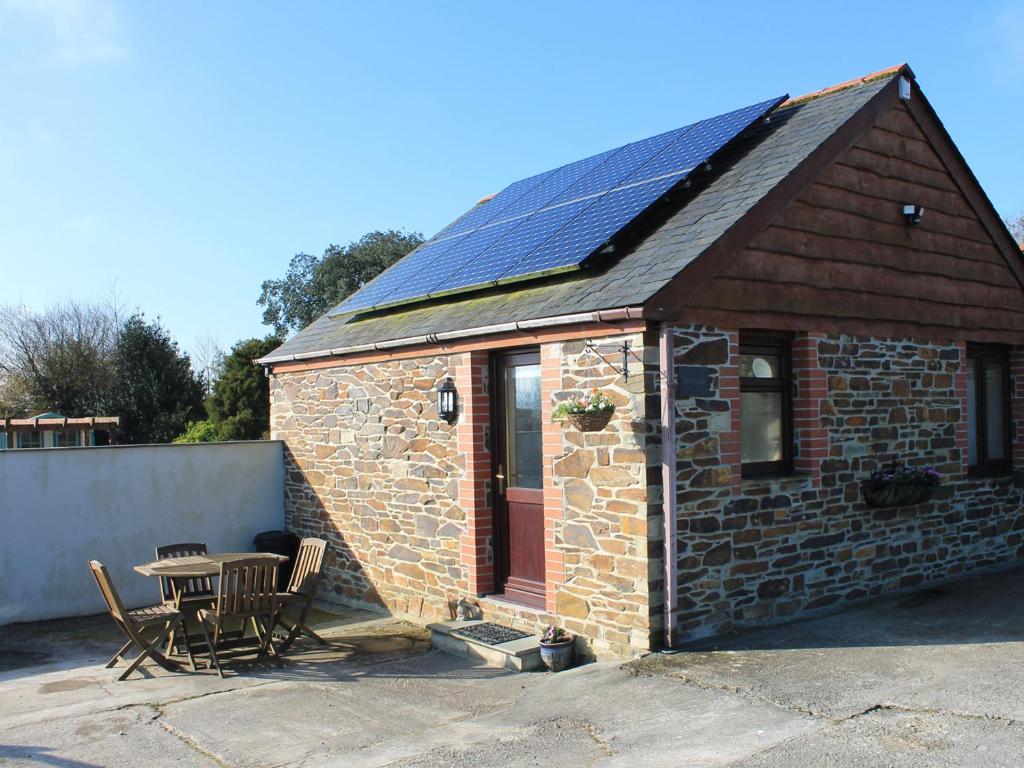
[{"x": 668, "y": 479}]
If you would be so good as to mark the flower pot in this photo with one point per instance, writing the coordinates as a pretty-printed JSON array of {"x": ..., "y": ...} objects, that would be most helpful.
[
  {"x": 590, "y": 421},
  {"x": 558, "y": 656}
]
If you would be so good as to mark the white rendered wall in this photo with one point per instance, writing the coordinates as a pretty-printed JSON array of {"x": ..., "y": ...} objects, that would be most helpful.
[{"x": 61, "y": 507}]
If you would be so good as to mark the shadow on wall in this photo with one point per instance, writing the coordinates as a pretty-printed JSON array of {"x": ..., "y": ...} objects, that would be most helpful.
[
  {"x": 987, "y": 608},
  {"x": 344, "y": 580}
]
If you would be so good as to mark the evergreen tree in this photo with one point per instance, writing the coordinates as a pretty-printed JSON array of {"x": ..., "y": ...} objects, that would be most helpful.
[
  {"x": 239, "y": 406},
  {"x": 155, "y": 391}
]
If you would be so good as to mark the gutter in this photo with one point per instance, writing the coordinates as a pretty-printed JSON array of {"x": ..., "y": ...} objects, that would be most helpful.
[
  {"x": 668, "y": 480},
  {"x": 600, "y": 316}
]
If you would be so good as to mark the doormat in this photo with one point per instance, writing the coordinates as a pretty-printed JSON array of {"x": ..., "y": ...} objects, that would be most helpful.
[{"x": 490, "y": 634}]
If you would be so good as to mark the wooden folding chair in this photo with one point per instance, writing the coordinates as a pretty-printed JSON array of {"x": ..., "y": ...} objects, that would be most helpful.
[
  {"x": 187, "y": 595},
  {"x": 301, "y": 592},
  {"x": 178, "y": 591},
  {"x": 136, "y": 624},
  {"x": 246, "y": 591}
]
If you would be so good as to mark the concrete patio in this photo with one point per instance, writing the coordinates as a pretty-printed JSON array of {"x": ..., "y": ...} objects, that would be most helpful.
[{"x": 932, "y": 679}]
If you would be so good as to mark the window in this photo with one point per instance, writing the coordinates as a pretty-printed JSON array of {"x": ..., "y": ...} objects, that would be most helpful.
[
  {"x": 65, "y": 438},
  {"x": 988, "y": 409},
  {"x": 33, "y": 439},
  {"x": 766, "y": 430}
]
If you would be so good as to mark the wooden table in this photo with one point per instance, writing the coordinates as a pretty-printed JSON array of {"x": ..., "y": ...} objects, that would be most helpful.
[{"x": 197, "y": 566}]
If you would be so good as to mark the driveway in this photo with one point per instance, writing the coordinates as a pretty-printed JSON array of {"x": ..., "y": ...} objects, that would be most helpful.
[{"x": 933, "y": 679}]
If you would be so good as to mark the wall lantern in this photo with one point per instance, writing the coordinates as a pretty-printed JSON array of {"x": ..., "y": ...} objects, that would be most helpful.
[
  {"x": 448, "y": 401},
  {"x": 913, "y": 214}
]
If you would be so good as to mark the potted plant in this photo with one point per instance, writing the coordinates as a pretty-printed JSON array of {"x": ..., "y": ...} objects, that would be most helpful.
[
  {"x": 588, "y": 414},
  {"x": 900, "y": 486},
  {"x": 557, "y": 648}
]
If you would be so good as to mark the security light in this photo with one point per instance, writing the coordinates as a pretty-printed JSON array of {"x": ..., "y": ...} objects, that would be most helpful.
[{"x": 912, "y": 214}]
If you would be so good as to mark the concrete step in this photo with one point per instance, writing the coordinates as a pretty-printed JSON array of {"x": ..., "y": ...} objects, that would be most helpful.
[{"x": 519, "y": 655}]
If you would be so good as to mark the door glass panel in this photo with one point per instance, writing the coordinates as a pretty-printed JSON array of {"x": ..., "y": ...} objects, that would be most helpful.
[
  {"x": 523, "y": 423},
  {"x": 761, "y": 428},
  {"x": 995, "y": 418}
]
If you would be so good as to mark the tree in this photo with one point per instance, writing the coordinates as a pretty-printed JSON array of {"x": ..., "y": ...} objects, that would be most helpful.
[
  {"x": 56, "y": 360},
  {"x": 312, "y": 286},
  {"x": 204, "y": 431},
  {"x": 239, "y": 406},
  {"x": 207, "y": 359},
  {"x": 155, "y": 391},
  {"x": 1016, "y": 226}
]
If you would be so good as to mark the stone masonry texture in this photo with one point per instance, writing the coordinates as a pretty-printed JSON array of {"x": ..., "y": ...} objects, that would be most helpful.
[
  {"x": 372, "y": 469},
  {"x": 753, "y": 551},
  {"x": 406, "y": 508}
]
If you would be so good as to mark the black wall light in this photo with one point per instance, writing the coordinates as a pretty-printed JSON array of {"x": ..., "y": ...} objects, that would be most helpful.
[
  {"x": 448, "y": 401},
  {"x": 912, "y": 214}
]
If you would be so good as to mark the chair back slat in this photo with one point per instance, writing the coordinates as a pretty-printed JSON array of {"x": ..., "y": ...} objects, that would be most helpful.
[
  {"x": 246, "y": 587},
  {"x": 308, "y": 566},
  {"x": 200, "y": 585},
  {"x": 110, "y": 596}
]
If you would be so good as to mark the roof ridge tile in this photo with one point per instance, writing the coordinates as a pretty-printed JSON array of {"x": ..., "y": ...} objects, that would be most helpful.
[{"x": 898, "y": 69}]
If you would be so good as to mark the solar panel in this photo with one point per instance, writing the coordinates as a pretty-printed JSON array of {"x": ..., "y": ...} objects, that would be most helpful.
[
  {"x": 390, "y": 282},
  {"x": 465, "y": 248},
  {"x": 588, "y": 232},
  {"x": 554, "y": 220},
  {"x": 533, "y": 230},
  {"x": 481, "y": 214},
  {"x": 625, "y": 162}
]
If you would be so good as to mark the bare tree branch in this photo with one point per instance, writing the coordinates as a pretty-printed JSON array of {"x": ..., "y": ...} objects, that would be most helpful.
[{"x": 1016, "y": 225}]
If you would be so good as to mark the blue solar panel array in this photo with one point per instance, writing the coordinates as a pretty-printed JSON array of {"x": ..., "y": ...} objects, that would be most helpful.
[{"x": 555, "y": 220}]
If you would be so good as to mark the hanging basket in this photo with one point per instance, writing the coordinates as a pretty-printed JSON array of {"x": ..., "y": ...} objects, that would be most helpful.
[
  {"x": 892, "y": 494},
  {"x": 591, "y": 421},
  {"x": 899, "y": 486}
]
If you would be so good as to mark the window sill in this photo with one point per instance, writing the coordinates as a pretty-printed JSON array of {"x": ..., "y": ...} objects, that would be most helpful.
[
  {"x": 787, "y": 476},
  {"x": 982, "y": 473}
]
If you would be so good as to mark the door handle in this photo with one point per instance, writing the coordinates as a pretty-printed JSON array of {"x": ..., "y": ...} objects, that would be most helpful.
[{"x": 500, "y": 477}]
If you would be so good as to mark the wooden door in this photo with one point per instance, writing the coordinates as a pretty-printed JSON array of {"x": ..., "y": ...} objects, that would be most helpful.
[{"x": 518, "y": 477}]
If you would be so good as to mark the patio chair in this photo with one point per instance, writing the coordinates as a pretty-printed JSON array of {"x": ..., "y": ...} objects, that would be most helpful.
[
  {"x": 136, "y": 624},
  {"x": 188, "y": 589},
  {"x": 301, "y": 591},
  {"x": 187, "y": 595},
  {"x": 246, "y": 591}
]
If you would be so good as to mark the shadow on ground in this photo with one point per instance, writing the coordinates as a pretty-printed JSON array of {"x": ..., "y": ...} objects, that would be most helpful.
[
  {"x": 933, "y": 679},
  {"x": 978, "y": 610},
  {"x": 958, "y": 647}
]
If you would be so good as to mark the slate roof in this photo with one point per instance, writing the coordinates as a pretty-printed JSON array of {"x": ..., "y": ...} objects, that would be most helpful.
[{"x": 751, "y": 168}]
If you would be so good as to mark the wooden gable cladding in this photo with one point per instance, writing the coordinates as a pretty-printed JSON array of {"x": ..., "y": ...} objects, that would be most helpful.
[{"x": 841, "y": 258}]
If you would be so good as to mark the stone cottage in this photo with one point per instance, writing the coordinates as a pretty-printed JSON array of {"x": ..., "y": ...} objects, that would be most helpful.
[{"x": 805, "y": 293}]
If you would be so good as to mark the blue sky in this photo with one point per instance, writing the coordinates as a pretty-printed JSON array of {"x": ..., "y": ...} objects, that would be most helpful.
[{"x": 182, "y": 152}]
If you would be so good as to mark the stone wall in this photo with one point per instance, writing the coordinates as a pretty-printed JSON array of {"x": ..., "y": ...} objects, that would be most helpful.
[
  {"x": 371, "y": 468},
  {"x": 608, "y": 502},
  {"x": 404, "y": 499},
  {"x": 754, "y": 551}
]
